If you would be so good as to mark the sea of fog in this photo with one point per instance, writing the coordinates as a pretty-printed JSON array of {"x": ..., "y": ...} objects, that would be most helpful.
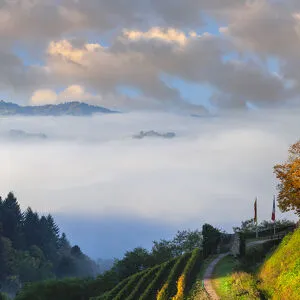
[{"x": 111, "y": 193}]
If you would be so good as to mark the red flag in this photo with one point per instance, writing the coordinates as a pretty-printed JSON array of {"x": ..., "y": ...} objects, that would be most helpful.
[
  {"x": 255, "y": 210},
  {"x": 273, "y": 211}
]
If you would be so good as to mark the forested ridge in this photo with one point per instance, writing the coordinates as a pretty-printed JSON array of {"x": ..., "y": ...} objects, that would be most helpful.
[
  {"x": 32, "y": 248},
  {"x": 37, "y": 260}
]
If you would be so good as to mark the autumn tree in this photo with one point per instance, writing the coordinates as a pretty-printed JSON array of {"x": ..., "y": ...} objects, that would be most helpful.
[{"x": 289, "y": 177}]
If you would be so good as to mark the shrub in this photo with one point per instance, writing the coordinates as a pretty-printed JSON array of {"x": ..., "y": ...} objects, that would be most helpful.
[
  {"x": 163, "y": 293},
  {"x": 4, "y": 297},
  {"x": 256, "y": 254},
  {"x": 112, "y": 293},
  {"x": 169, "y": 288},
  {"x": 142, "y": 284},
  {"x": 72, "y": 289},
  {"x": 186, "y": 275},
  {"x": 67, "y": 289},
  {"x": 242, "y": 284},
  {"x": 180, "y": 288},
  {"x": 156, "y": 283},
  {"x": 242, "y": 245},
  {"x": 133, "y": 280}
]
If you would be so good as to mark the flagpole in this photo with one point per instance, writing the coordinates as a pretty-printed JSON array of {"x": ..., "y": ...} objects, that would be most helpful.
[
  {"x": 255, "y": 213},
  {"x": 256, "y": 230},
  {"x": 274, "y": 221}
]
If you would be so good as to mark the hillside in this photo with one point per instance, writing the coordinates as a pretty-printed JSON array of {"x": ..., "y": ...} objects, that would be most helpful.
[
  {"x": 170, "y": 280},
  {"x": 265, "y": 271},
  {"x": 280, "y": 274},
  {"x": 36, "y": 262},
  {"x": 68, "y": 109},
  {"x": 32, "y": 248}
]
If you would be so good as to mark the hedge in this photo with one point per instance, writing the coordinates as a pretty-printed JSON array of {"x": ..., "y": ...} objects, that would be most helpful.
[
  {"x": 169, "y": 288},
  {"x": 156, "y": 284},
  {"x": 112, "y": 293},
  {"x": 187, "y": 274},
  {"x": 143, "y": 283},
  {"x": 123, "y": 293}
]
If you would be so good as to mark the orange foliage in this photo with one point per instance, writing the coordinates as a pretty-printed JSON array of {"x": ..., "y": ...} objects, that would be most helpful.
[
  {"x": 180, "y": 288},
  {"x": 162, "y": 294},
  {"x": 289, "y": 176}
]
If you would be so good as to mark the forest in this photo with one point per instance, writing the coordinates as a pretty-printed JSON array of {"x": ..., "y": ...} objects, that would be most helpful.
[{"x": 33, "y": 249}]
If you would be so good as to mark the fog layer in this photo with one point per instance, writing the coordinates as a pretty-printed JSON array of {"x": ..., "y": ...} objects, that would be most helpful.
[{"x": 92, "y": 174}]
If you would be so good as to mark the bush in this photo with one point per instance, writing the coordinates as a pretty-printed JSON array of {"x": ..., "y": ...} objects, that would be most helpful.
[
  {"x": 242, "y": 245},
  {"x": 134, "y": 279},
  {"x": 112, "y": 293},
  {"x": 156, "y": 284},
  {"x": 73, "y": 289},
  {"x": 143, "y": 283},
  {"x": 4, "y": 297},
  {"x": 169, "y": 288},
  {"x": 186, "y": 277},
  {"x": 256, "y": 254},
  {"x": 243, "y": 286},
  {"x": 67, "y": 289}
]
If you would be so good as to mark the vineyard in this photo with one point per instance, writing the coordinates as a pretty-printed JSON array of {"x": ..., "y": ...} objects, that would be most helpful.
[{"x": 171, "y": 280}]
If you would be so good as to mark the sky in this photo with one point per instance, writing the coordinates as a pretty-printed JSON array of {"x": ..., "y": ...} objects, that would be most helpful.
[
  {"x": 234, "y": 63},
  {"x": 194, "y": 55}
]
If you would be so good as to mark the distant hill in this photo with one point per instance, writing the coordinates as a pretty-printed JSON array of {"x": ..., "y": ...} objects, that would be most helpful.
[
  {"x": 64, "y": 109},
  {"x": 172, "y": 279},
  {"x": 21, "y": 134}
]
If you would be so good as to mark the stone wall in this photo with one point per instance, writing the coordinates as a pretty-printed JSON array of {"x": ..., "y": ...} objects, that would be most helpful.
[{"x": 235, "y": 247}]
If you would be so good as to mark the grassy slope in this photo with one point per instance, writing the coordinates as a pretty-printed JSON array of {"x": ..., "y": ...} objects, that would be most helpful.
[
  {"x": 221, "y": 277},
  {"x": 280, "y": 274},
  {"x": 145, "y": 285},
  {"x": 230, "y": 284}
]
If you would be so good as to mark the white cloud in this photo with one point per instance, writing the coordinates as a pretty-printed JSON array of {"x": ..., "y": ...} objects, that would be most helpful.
[
  {"x": 167, "y": 35},
  {"x": 41, "y": 97},
  {"x": 71, "y": 93}
]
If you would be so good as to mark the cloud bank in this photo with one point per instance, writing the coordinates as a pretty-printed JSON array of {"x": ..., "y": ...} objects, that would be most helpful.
[{"x": 92, "y": 168}]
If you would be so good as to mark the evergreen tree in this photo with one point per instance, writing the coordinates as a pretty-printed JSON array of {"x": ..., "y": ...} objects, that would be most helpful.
[
  {"x": 11, "y": 219},
  {"x": 49, "y": 237},
  {"x": 63, "y": 244},
  {"x": 7, "y": 258},
  {"x": 31, "y": 229}
]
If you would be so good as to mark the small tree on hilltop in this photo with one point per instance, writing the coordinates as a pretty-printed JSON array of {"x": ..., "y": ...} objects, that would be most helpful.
[{"x": 289, "y": 177}]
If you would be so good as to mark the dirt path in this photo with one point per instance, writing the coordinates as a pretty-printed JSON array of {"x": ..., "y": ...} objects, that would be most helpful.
[{"x": 208, "y": 276}]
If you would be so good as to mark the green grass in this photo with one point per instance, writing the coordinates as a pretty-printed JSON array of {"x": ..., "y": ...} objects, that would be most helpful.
[
  {"x": 230, "y": 284},
  {"x": 280, "y": 274},
  {"x": 222, "y": 274}
]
